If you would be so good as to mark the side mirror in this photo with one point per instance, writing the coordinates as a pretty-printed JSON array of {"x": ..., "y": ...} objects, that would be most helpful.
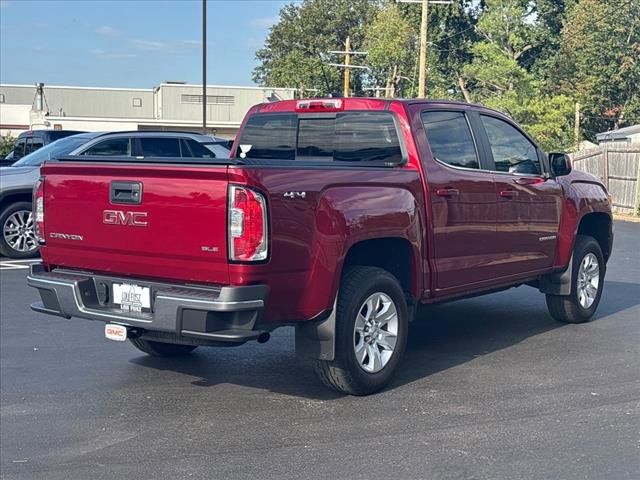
[{"x": 560, "y": 164}]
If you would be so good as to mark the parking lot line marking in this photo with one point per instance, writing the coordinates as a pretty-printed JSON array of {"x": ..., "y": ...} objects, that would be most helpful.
[
  {"x": 26, "y": 260},
  {"x": 16, "y": 264}
]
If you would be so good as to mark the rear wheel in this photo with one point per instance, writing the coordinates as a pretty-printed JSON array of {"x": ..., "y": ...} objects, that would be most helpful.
[
  {"x": 587, "y": 282},
  {"x": 18, "y": 238},
  {"x": 371, "y": 332},
  {"x": 161, "y": 349}
]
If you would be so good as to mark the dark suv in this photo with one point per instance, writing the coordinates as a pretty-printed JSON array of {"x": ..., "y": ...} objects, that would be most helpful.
[{"x": 32, "y": 140}]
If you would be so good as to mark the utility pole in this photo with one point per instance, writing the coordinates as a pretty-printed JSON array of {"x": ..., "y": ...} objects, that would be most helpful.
[
  {"x": 347, "y": 72},
  {"x": 576, "y": 126},
  {"x": 204, "y": 67},
  {"x": 422, "y": 72},
  {"x": 347, "y": 64},
  {"x": 424, "y": 26}
]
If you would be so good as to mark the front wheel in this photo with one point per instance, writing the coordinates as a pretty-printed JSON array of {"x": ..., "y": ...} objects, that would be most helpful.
[
  {"x": 587, "y": 282},
  {"x": 371, "y": 332},
  {"x": 161, "y": 349}
]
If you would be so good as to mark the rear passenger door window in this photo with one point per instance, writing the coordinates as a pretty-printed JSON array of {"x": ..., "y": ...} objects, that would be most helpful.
[
  {"x": 512, "y": 151},
  {"x": 160, "y": 147},
  {"x": 18, "y": 151},
  {"x": 33, "y": 144},
  {"x": 114, "y": 147},
  {"x": 193, "y": 149},
  {"x": 450, "y": 138}
]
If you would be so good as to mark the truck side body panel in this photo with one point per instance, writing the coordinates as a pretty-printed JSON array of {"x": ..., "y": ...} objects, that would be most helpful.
[
  {"x": 311, "y": 236},
  {"x": 583, "y": 194}
]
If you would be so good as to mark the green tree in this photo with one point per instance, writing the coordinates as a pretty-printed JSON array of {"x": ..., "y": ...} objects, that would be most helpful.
[
  {"x": 451, "y": 33},
  {"x": 7, "y": 142},
  {"x": 599, "y": 62},
  {"x": 296, "y": 47},
  {"x": 498, "y": 77},
  {"x": 390, "y": 43}
]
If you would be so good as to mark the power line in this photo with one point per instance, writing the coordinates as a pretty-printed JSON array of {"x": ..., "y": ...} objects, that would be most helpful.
[
  {"x": 424, "y": 26},
  {"x": 347, "y": 52}
]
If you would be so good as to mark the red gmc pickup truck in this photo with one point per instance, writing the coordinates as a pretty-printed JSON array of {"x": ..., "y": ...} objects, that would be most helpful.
[{"x": 340, "y": 217}]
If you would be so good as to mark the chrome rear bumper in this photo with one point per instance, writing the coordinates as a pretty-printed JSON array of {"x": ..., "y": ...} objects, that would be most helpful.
[{"x": 226, "y": 313}]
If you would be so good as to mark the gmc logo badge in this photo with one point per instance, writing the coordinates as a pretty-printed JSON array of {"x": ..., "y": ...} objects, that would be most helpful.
[{"x": 118, "y": 217}]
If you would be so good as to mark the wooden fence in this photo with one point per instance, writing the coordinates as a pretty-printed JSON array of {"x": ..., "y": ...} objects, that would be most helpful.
[{"x": 619, "y": 168}]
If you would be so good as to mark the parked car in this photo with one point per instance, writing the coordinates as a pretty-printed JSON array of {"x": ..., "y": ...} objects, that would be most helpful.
[
  {"x": 16, "y": 191},
  {"x": 7, "y": 160},
  {"x": 339, "y": 216},
  {"x": 17, "y": 239},
  {"x": 155, "y": 144},
  {"x": 32, "y": 140}
]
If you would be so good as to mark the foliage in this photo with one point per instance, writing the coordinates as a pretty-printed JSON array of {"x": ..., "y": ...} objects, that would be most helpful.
[
  {"x": 296, "y": 47},
  {"x": 599, "y": 61},
  {"x": 389, "y": 42},
  {"x": 498, "y": 78},
  {"x": 7, "y": 142},
  {"x": 532, "y": 59}
]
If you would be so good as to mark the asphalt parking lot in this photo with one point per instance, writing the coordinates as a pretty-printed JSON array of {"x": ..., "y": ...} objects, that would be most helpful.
[{"x": 490, "y": 388}]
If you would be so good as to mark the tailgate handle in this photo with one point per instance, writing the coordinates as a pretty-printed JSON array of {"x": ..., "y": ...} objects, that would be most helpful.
[{"x": 125, "y": 192}]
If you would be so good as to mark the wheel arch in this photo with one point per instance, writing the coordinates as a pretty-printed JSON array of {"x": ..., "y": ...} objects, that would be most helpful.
[
  {"x": 396, "y": 255},
  {"x": 599, "y": 226},
  {"x": 14, "y": 196}
]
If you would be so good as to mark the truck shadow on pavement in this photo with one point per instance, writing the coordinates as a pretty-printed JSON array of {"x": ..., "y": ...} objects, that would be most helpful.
[{"x": 443, "y": 337}]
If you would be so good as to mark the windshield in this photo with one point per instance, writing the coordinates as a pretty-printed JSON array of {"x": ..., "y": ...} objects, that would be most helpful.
[{"x": 56, "y": 149}]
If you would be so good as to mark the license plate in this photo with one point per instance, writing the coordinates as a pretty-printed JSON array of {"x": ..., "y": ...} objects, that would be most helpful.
[
  {"x": 115, "y": 332},
  {"x": 131, "y": 298}
]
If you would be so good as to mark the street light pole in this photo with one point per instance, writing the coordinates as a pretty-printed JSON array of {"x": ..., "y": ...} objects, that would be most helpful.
[{"x": 204, "y": 66}]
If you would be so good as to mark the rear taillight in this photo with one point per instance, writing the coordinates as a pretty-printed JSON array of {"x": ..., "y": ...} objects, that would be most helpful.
[
  {"x": 38, "y": 210},
  {"x": 247, "y": 224}
]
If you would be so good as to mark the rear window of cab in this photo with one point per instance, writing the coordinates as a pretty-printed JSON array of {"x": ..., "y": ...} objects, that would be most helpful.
[{"x": 342, "y": 137}]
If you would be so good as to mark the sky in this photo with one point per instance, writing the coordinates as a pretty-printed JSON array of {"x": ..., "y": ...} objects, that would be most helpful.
[{"x": 131, "y": 43}]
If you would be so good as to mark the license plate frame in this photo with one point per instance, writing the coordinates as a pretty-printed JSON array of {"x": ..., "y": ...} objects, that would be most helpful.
[{"x": 131, "y": 297}]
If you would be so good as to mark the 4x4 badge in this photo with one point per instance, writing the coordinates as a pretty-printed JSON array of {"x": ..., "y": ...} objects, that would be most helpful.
[{"x": 295, "y": 194}]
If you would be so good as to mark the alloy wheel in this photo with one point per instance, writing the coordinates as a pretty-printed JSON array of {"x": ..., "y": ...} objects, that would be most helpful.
[
  {"x": 588, "y": 280},
  {"x": 18, "y": 231},
  {"x": 375, "y": 332}
]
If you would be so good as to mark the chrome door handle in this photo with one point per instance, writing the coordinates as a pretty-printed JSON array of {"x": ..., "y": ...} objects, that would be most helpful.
[
  {"x": 508, "y": 193},
  {"x": 447, "y": 192}
]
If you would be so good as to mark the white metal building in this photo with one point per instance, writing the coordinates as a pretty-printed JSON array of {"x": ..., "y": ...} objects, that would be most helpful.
[
  {"x": 169, "y": 106},
  {"x": 629, "y": 134}
]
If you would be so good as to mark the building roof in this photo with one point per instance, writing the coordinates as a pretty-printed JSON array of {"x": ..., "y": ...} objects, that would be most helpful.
[{"x": 620, "y": 133}]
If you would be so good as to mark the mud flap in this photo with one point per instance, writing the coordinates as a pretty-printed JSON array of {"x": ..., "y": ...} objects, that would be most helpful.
[
  {"x": 557, "y": 283},
  {"x": 317, "y": 338}
]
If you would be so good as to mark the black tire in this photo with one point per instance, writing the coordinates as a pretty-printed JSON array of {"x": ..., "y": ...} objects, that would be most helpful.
[
  {"x": 161, "y": 349},
  {"x": 344, "y": 373},
  {"x": 5, "y": 248},
  {"x": 567, "y": 308}
]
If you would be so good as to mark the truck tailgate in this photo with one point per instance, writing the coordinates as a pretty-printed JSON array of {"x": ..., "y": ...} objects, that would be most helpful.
[{"x": 174, "y": 227}]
